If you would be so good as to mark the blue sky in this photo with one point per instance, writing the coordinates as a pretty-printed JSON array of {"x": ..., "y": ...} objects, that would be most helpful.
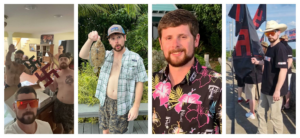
[{"x": 282, "y": 13}]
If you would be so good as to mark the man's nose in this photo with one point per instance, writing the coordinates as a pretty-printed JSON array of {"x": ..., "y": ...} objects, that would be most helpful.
[
  {"x": 175, "y": 42},
  {"x": 28, "y": 106}
]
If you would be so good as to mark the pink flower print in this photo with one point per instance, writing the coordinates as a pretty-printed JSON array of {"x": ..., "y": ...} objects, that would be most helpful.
[
  {"x": 187, "y": 98},
  {"x": 162, "y": 90},
  {"x": 200, "y": 114}
]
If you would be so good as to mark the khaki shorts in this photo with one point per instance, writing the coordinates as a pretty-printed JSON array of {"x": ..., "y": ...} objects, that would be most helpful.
[{"x": 251, "y": 90}]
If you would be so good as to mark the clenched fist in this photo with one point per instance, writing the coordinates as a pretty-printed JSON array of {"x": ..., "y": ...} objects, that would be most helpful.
[{"x": 94, "y": 36}]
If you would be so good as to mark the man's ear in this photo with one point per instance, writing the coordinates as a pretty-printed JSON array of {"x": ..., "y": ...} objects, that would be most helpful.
[
  {"x": 197, "y": 40},
  {"x": 125, "y": 37},
  {"x": 14, "y": 106}
]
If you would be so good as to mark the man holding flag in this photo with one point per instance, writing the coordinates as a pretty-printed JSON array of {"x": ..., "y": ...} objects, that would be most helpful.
[
  {"x": 248, "y": 46},
  {"x": 274, "y": 82}
]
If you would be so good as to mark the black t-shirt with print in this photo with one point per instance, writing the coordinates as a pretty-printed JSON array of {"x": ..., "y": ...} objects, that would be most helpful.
[
  {"x": 193, "y": 106},
  {"x": 289, "y": 52},
  {"x": 274, "y": 60}
]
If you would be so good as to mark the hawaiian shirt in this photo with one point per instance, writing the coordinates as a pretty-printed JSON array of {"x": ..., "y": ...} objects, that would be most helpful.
[
  {"x": 132, "y": 71},
  {"x": 193, "y": 106}
]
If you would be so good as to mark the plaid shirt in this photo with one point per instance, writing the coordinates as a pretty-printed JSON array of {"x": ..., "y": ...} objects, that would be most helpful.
[{"x": 132, "y": 71}]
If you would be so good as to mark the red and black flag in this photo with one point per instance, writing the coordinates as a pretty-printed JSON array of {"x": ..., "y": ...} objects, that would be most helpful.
[
  {"x": 248, "y": 44},
  {"x": 262, "y": 38},
  {"x": 260, "y": 15}
]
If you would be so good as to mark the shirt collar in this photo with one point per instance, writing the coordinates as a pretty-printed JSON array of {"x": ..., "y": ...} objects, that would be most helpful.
[{"x": 190, "y": 76}]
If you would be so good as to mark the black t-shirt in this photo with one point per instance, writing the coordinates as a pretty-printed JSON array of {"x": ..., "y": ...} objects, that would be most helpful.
[
  {"x": 275, "y": 59},
  {"x": 289, "y": 52},
  {"x": 251, "y": 79}
]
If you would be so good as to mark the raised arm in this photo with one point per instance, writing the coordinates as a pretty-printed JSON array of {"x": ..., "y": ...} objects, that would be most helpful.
[
  {"x": 8, "y": 55},
  {"x": 85, "y": 50},
  {"x": 54, "y": 61}
]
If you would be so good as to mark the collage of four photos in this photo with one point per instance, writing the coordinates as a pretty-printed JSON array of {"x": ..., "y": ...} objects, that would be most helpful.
[{"x": 110, "y": 57}]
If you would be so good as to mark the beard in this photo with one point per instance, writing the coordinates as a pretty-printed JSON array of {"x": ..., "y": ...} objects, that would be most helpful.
[
  {"x": 182, "y": 62},
  {"x": 118, "y": 50},
  {"x": 271, "y": 40},
  {"x": 27, "y": 120},
  {"x": 63, "y": 65},
  {"x": 18, "y": 60}
]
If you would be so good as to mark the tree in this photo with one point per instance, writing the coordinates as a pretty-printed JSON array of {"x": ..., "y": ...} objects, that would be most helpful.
[
  {"x": 101, "y": 21},
  {"x": 210, "y": 24},
  {"x": 90, "y": 9}
]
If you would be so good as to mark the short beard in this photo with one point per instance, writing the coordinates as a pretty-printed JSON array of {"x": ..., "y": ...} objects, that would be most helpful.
[
  {"x": 63, "y": 66},
  {"x": 274, "y": 40},
  {"x": 183, "y": 62},
  {"x": 28, "y": 121},
  {"x": 115, "y": 48}
]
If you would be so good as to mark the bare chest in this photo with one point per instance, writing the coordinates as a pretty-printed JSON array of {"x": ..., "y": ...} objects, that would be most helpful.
[
  {"x": 65, "y": 80},
  {"x": 15, "y": 69},
  {"x": 116, "y": 67}
]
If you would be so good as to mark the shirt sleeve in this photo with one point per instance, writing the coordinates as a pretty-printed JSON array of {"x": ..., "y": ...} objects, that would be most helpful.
[
  {"x": 281, "y": 57},
  {"x": 141, "y": 72},
  {"x": 290, "y": 52}
]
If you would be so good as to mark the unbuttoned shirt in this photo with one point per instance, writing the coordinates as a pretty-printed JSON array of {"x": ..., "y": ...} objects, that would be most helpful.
[
  {"x": 132, "y": 71},
  {"x": 194, "y": 106}
]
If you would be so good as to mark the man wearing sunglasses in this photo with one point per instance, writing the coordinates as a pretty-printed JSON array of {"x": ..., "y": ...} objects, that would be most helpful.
[
  {"x": 284, "y": 40},
  {"x": 64, "y": 85},
  {"x": 25, "y": 107},
  {"x": 274, "y": 82}
]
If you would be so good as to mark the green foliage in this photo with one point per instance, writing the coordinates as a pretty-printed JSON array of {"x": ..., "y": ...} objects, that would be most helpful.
[
  {"x": 210, "y": 27},
  {"x": 99, "y": 17},
  {"x": 294, "y": 52},
  {"x": 145, "y": 93},
  {"x": 228, "y": 54},
  {"x": 92, "y": 120},
  {"x": 137, "y": 38},
  {"x": 218, "y": 68},
  {"x": 96, "y": 9},
  {"x": 200, "y": 59},
  {"x": 188, "y": 7},
  {"x": 132, "y": 17},
  {"x": 158, "y": 60},
  {"x": 87, "y": 84},
  {"x": 155, "y": 44}
]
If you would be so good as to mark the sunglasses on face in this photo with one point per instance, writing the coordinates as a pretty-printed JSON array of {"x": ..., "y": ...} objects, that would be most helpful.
[
  {"x": 272, "y": 33},
  {"x": 22, "y": 104}
]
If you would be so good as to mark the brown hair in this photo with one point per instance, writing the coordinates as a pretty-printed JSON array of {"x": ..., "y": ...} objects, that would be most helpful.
[
  {"x": 67, "y": 55},
  {"x": 179, "y": 17},
  {"x": 26, "y": 90}
]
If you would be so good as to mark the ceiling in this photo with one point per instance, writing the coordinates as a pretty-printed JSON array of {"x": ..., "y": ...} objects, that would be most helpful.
[{"x": 40, "y": 20}]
